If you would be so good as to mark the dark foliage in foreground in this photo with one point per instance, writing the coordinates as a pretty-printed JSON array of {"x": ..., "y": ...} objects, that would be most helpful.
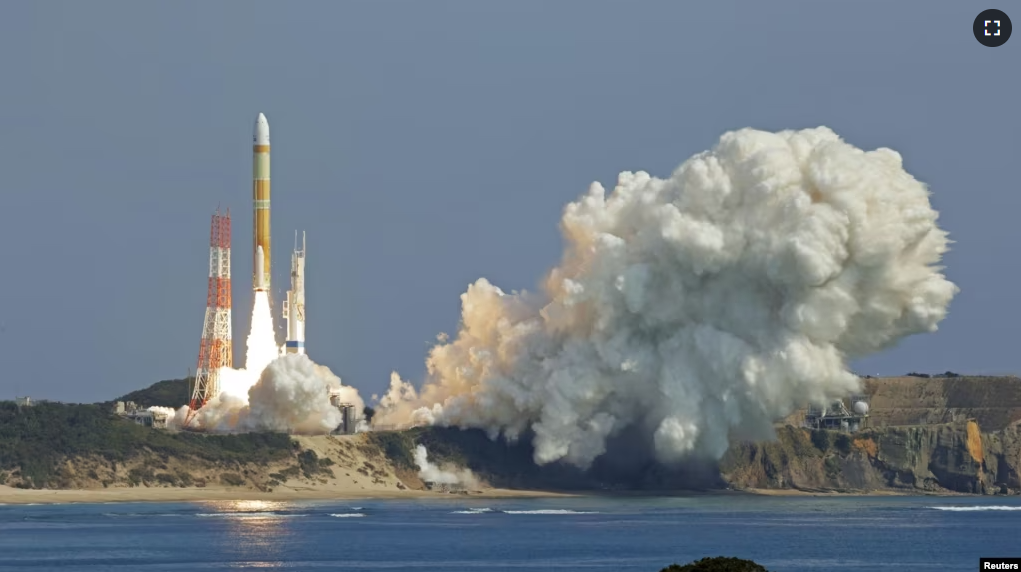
[
  {"x": 717, "y": 564},
  {"x": 37, "y": 439},
  {"x": 166, "y": 393}
]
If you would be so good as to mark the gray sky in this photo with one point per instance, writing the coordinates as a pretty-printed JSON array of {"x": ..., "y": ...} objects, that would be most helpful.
[{"x": 423, "y": 145}]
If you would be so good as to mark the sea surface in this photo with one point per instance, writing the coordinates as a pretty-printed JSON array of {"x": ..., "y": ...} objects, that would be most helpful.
[{"x": 786, "y": 534}]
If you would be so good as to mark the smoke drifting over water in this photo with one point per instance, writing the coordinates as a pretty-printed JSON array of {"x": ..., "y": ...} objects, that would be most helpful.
[{"x": 696, "y": 308}]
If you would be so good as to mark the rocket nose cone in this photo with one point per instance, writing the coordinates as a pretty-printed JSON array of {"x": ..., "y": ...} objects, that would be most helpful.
[{"x": 261, "y": 134}]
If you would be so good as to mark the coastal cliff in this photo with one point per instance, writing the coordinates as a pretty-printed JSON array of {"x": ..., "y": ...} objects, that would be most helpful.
[
  {"x": 944, "y": 435},
  {"x": 952, "y": 457}
]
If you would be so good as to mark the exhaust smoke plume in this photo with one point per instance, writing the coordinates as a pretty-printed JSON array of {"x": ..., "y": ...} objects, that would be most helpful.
[
  {"x": 274, "y": 392},
  {"x": 431, "y": 473},
  {"x": 697, "y": 308}
]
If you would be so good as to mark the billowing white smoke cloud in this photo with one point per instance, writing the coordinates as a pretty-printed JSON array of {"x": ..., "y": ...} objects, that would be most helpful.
[
  {"x": 292, "y": 395},
  {"x": 700, "y": 307},
  {"x": 431, "y": 473},
  {"x": 287, "y": 393},
  {"x": 169, "y": 412}
]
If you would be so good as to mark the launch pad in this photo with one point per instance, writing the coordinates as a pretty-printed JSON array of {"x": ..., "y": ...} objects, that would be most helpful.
[{"x": 215, "y": 347}]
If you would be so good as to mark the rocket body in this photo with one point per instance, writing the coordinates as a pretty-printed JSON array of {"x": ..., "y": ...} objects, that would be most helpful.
[
  {"x": 294, "y": 306},
  {"x": 261, "y": 269},
  {"x": 260, "y": 272}
]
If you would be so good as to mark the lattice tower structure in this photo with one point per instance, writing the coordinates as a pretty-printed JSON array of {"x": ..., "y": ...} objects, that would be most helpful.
[{"x": 215, "y": 348}]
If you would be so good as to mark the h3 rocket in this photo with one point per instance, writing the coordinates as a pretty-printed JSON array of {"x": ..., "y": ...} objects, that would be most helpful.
[
  {"x": 260, "y": 195},
  {"x": 294, "y": 305}
]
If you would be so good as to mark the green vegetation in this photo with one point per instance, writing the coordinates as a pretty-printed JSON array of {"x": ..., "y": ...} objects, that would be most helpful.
[
  {"x": 232, "y": 479},
  {"x": 140, "y": 475},
  {"x": 311, "y": 465},
  {"x": 288, "y": 473},
  {"x": 717, "y": 564},
  {"x": 822, "y": 439},
  {"x": 843, "y": 444},
  {"x": 168, "y": 393},
  {"x": 396, "y": 446},
  {"x": 35, "y": 440}
]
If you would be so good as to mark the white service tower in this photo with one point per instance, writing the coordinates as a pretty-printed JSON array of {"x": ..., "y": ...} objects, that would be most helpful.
[{"x": 294, "y": 305}]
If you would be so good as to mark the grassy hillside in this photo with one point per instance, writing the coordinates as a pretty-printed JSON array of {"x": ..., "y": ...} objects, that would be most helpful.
[
  {"x": 168, "y": 393},
  {"x": 35, "y": 441}
]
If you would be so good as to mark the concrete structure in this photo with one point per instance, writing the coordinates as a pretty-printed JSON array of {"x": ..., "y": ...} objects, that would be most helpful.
[
  {"x": 261, "y": 267},
  {"x": 349, "y": 413},
  {"x": 23, "y": 401},
  {"x": 294, "y": 305},
  {"x": 838, "y": 416},
  {"x": 153, "y": 419},
  {"x": 141, "y": 416},
  {"x": 125, "y": 407}
]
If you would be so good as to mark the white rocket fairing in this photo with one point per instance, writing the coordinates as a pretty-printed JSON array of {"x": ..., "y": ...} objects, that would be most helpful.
[
  {"x": 294, "y": 306},
  {"x": 260, "y": 269}
]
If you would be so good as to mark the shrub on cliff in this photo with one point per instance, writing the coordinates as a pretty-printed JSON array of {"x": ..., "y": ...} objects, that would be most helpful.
[{"x": 717, "y": 564}]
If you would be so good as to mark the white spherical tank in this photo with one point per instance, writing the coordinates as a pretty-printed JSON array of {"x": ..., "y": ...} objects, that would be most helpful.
[{"x": 861, "y": 408}]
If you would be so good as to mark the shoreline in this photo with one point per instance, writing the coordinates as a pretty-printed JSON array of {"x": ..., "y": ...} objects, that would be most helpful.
[{"x": 12, "y": 496}]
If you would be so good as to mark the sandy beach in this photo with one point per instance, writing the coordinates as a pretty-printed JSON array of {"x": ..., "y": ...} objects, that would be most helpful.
[
  {"x": 355, "y": 472},
  {"x": 10, "y": 495},
  {"x": 332, "y": 491}
]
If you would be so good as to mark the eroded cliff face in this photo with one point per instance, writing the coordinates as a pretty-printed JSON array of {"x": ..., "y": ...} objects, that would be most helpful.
[
  {"x": 993, "y": 401},
  {"x": 952, "y": 457}
]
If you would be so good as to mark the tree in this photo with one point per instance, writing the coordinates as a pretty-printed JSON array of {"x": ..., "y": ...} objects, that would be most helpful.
[{"x": 717, "y": 564}]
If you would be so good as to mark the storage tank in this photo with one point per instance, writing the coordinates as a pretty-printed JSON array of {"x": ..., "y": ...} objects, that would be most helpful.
[{"x": 861, "y": 408}]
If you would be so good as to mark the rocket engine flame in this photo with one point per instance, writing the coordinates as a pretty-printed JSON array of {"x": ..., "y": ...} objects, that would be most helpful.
[{"x": 698, "y": 308}]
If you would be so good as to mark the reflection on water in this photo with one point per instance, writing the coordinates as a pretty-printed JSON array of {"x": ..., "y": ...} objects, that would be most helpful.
[
  {"x": 511, "y": 535},
  {"x": 255, "y": 533},
  {"x": 247, "y": 506}
]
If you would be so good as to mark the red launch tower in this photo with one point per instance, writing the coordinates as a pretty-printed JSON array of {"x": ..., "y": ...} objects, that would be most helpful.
[{"x": 215, "y": 351}]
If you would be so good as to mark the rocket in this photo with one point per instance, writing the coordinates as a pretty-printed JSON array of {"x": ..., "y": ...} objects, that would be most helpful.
[
  {"x": 260, "y": 196},
  {"x": 294, "y": 305}
]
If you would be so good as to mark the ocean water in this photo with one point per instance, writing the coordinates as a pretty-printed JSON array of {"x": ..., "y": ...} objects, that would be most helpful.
[{"x": 461, "y": 534}]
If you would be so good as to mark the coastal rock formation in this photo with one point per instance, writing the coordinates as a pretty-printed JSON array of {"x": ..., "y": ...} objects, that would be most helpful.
[
  {"x": 952, "y": 457},
  {"x": 993, "y": 401}
]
